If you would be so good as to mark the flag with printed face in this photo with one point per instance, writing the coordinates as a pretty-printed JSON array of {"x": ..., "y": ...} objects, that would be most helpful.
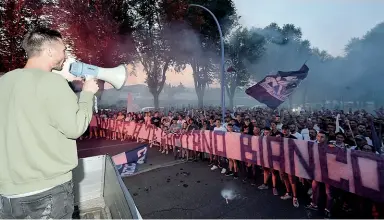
[{"x": 273, "y": 90}]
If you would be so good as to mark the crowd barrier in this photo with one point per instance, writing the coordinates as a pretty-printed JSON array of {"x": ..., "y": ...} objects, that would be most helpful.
[{"x": 354, "y": 171}]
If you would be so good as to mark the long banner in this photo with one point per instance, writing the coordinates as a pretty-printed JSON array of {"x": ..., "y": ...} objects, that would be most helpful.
[{"x": 358, "y": 172}]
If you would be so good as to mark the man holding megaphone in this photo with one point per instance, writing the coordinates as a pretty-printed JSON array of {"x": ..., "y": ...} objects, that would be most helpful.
[{"x": 41, "y": 120}]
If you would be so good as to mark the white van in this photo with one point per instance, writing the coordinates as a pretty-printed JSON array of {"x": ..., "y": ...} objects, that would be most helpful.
[{"x": 148, "y": 109}]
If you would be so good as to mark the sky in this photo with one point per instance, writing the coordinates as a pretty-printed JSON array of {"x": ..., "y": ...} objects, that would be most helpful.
[{"x": 328, "y": 25}]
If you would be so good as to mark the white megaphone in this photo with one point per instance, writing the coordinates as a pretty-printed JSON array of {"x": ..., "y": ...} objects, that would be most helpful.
[{"x": 115, "y": 76}]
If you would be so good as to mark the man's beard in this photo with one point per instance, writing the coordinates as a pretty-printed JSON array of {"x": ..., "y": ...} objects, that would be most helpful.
[{"x": 59, "y": 66}]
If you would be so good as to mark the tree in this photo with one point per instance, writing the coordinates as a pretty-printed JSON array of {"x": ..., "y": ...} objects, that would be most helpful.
[
  {"x": 16, "y": 18},
  {"x": 154, "y": 39},
  {"x": 363, "y": 66},
  {"x": 201, "y": 46},
  {"x": 285, "y": 49},
  {"x": 243, "y": 48},
  {"x": 98, "y": 32}
]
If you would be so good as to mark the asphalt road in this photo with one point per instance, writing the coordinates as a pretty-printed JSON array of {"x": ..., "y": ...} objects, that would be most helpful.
[
  {"x": 192, "y": 190},
  {"x": 94, "y": 147},
  {"x": 162, "y": 189}
]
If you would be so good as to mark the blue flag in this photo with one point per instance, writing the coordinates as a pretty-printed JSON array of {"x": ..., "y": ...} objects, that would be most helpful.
[
  {"x": 273, "y": 90},
  {"x": 133, "y": 158}
]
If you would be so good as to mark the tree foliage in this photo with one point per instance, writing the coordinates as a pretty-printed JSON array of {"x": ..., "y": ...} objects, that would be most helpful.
[
  {"x": 98, "y": 31},
  {"x": 16, "y": 18},
  {"x": 154, "y": 39},
  {"x": 363, "y": 66},
  {"x": 168, "y": 34},
  {"x": 201, "y": 40},
  {"x": 285, "y": 49},
  {"x": 243, "y": 48}
]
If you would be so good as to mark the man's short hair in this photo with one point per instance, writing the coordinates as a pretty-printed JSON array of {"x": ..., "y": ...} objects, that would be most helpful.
[
  {"x": 291, "y": 123},
  {"x": 341, "y": 134},
  {"x": 322, "y": 132},
  {"x": 361, "y": 124},
  {"x": 34, "y": 40},
  {"x": 312, "y": 129}
]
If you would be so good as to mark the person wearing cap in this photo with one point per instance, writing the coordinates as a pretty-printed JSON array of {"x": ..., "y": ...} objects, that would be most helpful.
[
  {"x": 360, "y": 141},
  {"x": 362, "y": 145}
]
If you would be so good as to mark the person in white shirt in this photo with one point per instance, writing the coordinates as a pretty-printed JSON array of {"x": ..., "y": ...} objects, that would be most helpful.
[
  {"x": 279, "y": 125},
  {"x": 316, "y": 124},
  {"x": 305, "y": 132},
  {"x": 181, "y": 121},
  {"x": 219, "y": 127},
  {"x": 293, "y": 130}
]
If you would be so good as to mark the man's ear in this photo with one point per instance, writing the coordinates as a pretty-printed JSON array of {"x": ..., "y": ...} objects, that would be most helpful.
[{"x": 49, "y": 52}]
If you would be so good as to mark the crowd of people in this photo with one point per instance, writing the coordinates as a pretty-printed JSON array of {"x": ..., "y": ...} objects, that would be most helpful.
[{"x": 354, "y": 130}]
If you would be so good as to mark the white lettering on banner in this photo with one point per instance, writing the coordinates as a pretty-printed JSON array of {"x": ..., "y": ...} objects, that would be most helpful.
[
  {"x": 141, "y": 155},
  {"x": 128, "y": 169}
]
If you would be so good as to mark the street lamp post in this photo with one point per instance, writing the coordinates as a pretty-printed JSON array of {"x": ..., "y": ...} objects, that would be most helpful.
[{"x": 222, "y": 61}]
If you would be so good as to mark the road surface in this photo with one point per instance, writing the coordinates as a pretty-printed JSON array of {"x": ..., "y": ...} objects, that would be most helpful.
[
  {"x": 168, "y": 189},
  {"x": 192, "y": 190},
  {"x": 94, "y": 147}
]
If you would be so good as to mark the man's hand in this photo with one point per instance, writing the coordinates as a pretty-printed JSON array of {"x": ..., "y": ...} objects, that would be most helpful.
[{"x": 91, "y": 86}]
